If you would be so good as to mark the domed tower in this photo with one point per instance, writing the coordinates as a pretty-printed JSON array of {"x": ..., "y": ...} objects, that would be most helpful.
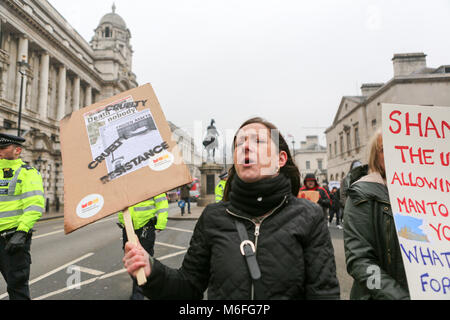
[{"x": 113, "y": 54}]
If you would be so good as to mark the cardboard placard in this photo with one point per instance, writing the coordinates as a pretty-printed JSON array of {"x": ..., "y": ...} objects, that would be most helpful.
[
  {"x": 117, "y": 153},
  {"x": 313, "y": 196},
  {"x": 416, "y": 142}
]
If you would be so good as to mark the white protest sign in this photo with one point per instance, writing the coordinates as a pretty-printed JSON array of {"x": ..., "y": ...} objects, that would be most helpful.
[{"x": 416, "y": 143}]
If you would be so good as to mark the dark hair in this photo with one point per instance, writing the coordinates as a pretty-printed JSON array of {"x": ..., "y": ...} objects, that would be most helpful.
[{"x": 290, "y": 169}]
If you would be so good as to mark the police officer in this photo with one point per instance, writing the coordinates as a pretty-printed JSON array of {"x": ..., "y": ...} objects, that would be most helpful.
[
  {"x": 220, "y": 188},
  {"x": 147, "y": 216},
  {"x": 21, "y": 205}
]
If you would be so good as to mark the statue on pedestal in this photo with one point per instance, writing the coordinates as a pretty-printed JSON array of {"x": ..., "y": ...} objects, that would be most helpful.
[{"x": 211, "y": 143}]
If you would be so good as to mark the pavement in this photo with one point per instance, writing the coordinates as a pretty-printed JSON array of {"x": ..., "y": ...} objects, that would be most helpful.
[{"x": 174, "y": 213}]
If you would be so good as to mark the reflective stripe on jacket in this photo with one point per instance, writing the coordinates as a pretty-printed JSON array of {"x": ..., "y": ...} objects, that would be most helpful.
[
  {"x": 220, "y": 188},
  {"x": 21, "y": 195},
  {"x": 142, "y": 212}
]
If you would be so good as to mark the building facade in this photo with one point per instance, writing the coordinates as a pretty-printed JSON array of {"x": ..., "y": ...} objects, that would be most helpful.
[
  {"x": 47, "y": 70},
  {"x": 358, "y": 117},
  {"x": 312, "y": 158},
  {"x": 186, "y": 146}
]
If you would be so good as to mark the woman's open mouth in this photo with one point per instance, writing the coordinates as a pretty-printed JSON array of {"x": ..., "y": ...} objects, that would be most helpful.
[{"x": 248, "y": 162}]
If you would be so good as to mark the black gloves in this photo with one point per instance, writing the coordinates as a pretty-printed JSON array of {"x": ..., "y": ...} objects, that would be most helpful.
[{"x": 17, "y": 242}]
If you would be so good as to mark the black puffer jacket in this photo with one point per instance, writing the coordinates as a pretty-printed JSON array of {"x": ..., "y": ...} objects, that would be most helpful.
[{"x": 294, "y": 253}]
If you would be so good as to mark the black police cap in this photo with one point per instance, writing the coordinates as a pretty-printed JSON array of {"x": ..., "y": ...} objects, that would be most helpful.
[{"x": 8, "y": 139}]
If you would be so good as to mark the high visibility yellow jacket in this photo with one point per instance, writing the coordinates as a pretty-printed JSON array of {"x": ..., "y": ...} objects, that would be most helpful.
[
  {"x": 220, "y": 188},
  {"x": 21, "y": 195},
  {"x": 142, "y": 212}
]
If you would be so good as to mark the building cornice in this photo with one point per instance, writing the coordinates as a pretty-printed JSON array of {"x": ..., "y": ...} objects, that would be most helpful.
[
  {"x": 423, "y": 78},
  {"x": 407, "y": 79},
  {"x": 57, "y": 43},
  {"x": 31, "y": 119}
]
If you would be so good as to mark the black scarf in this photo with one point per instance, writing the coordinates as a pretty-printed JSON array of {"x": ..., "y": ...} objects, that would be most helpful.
[{"x": 258, "y": 198}]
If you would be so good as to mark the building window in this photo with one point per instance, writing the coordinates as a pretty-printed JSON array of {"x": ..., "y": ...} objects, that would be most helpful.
[
  {"x": 374, "y": 123},
  {"x": 107, "y": 32},
  {"x": 319, "y": 164},
  {"x": 349, "y": 142},
  {"x": 331, "y": 178},
  {"x": 8, "y": 124},
  {"x": 335, "y": 148},
  {"x": 357, "y": 142},
  {"x": 308, "y": 165},
  {"x": 341, "y": 142},
  {"x": 330, "y": 151}
]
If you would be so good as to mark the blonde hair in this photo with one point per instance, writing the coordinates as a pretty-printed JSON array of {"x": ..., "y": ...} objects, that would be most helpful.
[{"x": 374, "y": 148}]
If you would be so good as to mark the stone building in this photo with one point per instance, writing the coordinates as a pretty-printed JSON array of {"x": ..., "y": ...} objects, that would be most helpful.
[
  {"x": 186, "y": 146},
  {"x": 312, "y": 158},
  {"x": 62, "y": 72},
  {"x": 358, "y": 117}
]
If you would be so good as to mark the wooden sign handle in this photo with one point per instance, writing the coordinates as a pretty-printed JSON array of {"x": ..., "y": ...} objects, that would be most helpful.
[{"x": 141, "y": 278}]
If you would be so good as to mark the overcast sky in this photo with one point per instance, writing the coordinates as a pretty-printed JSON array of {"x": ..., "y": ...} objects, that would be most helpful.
[{"x": 287, "y": 61}]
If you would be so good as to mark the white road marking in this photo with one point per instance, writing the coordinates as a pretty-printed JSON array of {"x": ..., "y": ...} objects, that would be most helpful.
[
  {"x": 90, "y": 271},
  {"x": 171, "y": 255},
  {"x": 178, "y": 229},
  {"x": 46, "y": 234},
  {"x": 61, "y": 267},
  {"x": 108, "y": 275},
  {"x": 170, "y": 245},
  {"x": 105, "y": 219},
  {"x": 74, "y": 286},
  {"x": 62, "y": 230},
  {"x": 54, "y": 271},
  {"x": 112, "y": 274},
  {"x": 100, "y": 275}
]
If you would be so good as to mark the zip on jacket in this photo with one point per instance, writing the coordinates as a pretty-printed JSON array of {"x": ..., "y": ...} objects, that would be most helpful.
[{"x": 257, "y": 224}]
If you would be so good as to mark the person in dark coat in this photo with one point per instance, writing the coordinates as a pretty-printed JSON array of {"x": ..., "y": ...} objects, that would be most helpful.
[
  {"x": 372, "y": 250},
  {"x": 335, "y": 208},
  {"x": 310, "y": 184},
  {"x": 288, "y": 253},
  {"x": 186, "y": 197}
]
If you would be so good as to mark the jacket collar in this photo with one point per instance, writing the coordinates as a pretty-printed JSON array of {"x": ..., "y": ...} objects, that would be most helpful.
[
  {"x": 11, "y": 163},
  {"x": 371, "y": 186}
]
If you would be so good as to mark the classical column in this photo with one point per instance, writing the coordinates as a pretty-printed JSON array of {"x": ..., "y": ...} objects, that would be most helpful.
[
  {"x": 3, "y": 82},
  {"x": 22, "y": 52},
  {"x": 2, "y": 68},
  {"x": 88, "y": 95},
  {"x": 61, "y": 111},
  {"x": 22, "y": 55},
  {"x": 43, "y": 84},
  {"x": 76, "y": 93}
]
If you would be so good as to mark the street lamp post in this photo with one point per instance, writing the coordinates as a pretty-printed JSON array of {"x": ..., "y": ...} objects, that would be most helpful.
[{"x": 23, "y": 65}]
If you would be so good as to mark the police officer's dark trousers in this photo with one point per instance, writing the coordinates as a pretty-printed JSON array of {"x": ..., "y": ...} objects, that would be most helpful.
[
  {"x": 146, "y": 236},
  {"x": 15, "y": 269}
]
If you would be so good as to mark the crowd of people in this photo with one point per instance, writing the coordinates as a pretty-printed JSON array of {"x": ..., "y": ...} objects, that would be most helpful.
[{"x": 260, "y": 240}]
